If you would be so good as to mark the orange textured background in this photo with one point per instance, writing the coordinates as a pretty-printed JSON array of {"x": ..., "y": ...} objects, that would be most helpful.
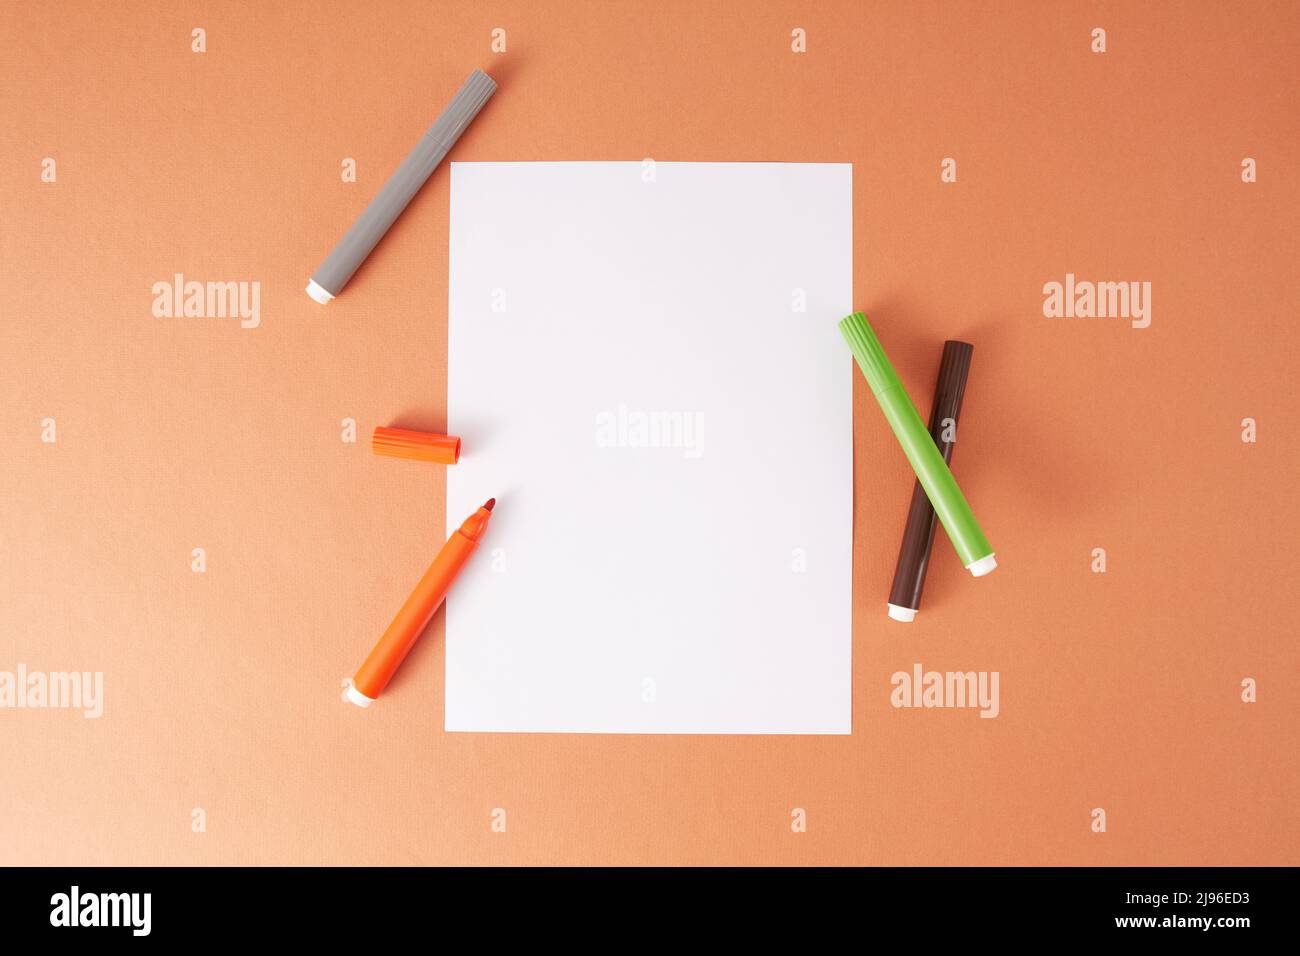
[{"x": 1119, "y": 691}]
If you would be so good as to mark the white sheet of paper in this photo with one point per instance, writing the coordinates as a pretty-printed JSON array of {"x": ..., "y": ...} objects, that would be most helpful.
[{"x": 645, "y": 368}]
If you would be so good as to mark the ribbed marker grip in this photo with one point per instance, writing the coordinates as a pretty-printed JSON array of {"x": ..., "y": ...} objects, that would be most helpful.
[{"x": 871, "y": 357}]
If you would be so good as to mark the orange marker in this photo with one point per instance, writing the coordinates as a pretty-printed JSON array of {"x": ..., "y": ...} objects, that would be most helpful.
[{"x": 418, "y": 610}]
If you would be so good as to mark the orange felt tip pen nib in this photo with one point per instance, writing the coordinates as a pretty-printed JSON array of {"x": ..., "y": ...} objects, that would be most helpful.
[{"x": 418, "y": 610}]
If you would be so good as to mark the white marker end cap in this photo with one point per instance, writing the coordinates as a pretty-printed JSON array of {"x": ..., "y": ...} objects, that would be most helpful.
[
  {"x": 983, "y": 566},
  {"x": 317, "y": 292},
  {"x": 904, "y": 614},
  {"x": 358, "y": 698}
]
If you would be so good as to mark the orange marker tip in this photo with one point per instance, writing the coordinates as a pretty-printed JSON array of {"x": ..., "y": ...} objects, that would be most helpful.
[{"x": 490, "y": 503}]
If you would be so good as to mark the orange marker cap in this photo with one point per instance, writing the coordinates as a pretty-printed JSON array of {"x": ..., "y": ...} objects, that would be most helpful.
[{"x": 417, "y": 446}]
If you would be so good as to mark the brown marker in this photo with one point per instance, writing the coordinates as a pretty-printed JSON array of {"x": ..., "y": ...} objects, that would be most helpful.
[{"x": 918, "y": 535}]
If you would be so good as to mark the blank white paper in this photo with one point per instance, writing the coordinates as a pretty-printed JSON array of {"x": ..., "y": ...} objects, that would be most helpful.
[{"x": 645, "y": 368}]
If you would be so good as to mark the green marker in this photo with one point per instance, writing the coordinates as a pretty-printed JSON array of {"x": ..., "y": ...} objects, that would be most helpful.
[{"x": 931, "y": 470}]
